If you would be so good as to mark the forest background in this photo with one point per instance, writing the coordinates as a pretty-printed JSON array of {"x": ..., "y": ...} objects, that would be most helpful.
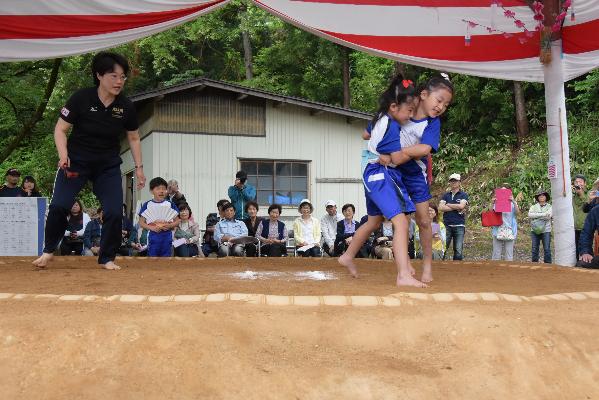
[{"x": 493, "y": 132}]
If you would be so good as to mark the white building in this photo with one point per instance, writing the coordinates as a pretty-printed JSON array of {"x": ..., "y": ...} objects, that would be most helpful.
[{"x": 203, "y": 131}]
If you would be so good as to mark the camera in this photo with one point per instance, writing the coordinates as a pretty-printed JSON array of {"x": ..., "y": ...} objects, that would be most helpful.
[{"x": 576, "y": 187}]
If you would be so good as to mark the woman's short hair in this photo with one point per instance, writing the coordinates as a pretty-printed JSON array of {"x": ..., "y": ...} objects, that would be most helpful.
[
  {"x": 184, "y": 206},
  {"x": 275, "y": 207},
  {"x": 249, "y": 204},
  {"x": 105, "y": 61},
  {"x": 348, "y": 205}
]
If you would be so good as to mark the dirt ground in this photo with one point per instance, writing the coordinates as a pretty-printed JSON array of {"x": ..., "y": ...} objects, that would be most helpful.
[{"x": 460, "y": 350}]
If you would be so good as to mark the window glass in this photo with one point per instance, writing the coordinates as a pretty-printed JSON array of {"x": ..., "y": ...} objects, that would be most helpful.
[
  {"x": 250, "y": 167},
  {"x": 285, "y": 183}
]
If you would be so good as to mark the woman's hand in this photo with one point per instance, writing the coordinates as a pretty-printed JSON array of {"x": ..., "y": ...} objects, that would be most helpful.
[
  {"x": 64, "y": 162},
  {"x": 141, "y": 178}
]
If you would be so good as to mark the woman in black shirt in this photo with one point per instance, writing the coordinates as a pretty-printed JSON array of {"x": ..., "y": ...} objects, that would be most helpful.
[{"x": 99, "y": 117}]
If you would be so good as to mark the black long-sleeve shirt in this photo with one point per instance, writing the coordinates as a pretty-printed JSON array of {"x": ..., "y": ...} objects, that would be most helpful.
[{"x": 591, "y": 224}]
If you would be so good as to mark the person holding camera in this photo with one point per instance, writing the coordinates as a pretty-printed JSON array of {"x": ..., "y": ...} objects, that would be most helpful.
[
  {"x": 579, "y": 199},
  {"x": 240, "y": 193}
]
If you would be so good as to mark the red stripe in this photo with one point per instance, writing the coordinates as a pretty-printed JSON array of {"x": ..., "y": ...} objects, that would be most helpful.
[
  {"x": 482, "y": 48},
  {"x": 581, "y": 38},
  {"x": 60, "y": 26},
  {"x": 419, "y": 3}
]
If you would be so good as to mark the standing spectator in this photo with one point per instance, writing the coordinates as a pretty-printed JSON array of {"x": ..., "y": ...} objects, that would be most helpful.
[
  {"x": 453, "y": 204},
  {"x": 240, "y": 193},
  {"x": 504, "y": 236},
  {"x": 11, "y": 187},
  {"x": 77, "y": 220},
  {"x": 227, "y": 230},
  {"x": 439, "y": 235},
  {"x": 272, "y": 233},
  {"x": 328, "y": 224},
  {"x": 591, "y": 225},
  {"x": 174, "y": 195},
  {"x": 593, "y": 197},
  {"x": 251, "y": 222},
  {"x": 540, "y": 224},
  {"x": 383, "y": 240},
  {"x": 126, "y": 228},
  {"x": 346, "y": 228},
  {"x": 29, "y": 186},
  {"x": 209, "y": 244},
  {"x": 306, "y": 230},
  {"x": 92, "y": 235},
  {"x": 190, "y": 231},
  {"x": 579, "y": 199}
]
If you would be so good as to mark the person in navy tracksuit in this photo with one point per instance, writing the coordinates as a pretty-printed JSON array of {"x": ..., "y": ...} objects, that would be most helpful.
[{"x": 99, "y": 117}]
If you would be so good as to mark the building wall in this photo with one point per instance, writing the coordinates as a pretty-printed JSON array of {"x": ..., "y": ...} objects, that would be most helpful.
[{"x": 205, "y": 165}]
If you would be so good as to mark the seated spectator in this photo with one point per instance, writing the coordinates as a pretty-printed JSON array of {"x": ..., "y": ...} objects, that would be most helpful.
[
  {"x": 11, "y": 187},
  {"x": 173, "y": 193},
  {"x": 72, "y": 242},
  {"x": 369, "y": 244},
  {"x": 272, "y": 233},
  {"x": 251, "y": 222},
  {"x": 383, "y": 238},
  {"x": 190, "y": 231},
  {"x": 306, "y": 231},
  {"x": 92, "y": 235},
  {"x": 29, "y": 186},
  {"x": 591, "y": 225},
  {"x": 138, "y": 241},
  {"x": 593, "y": 197},
  {"x": 328, "y": 224},
  {"x": 411, "y": 234},
  {"x": 439, "y": 235},
  {"x": 346, "y": 228},
  {"x": 227, "y": 230},
  {"x": 209, "y": 244}
]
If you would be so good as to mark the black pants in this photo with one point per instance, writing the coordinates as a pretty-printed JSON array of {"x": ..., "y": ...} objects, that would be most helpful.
[
  {"x": 187, "y": 250},
  {"x": 71, "y": 247},
  {"x": 311, "y": 252},
  {"x": 106, "y": 179},
  {"x": 576, "y": 240},
  {"x": 594, "y": 264},
  {"x": 274, "y": 250},
  {"x": 251, "y": 250}
]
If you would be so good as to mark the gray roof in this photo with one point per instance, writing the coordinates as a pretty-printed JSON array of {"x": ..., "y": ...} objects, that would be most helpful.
[{"x": 247, "y": 91}]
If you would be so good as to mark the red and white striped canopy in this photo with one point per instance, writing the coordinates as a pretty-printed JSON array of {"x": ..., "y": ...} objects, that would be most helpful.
[{"x": 428, "y": 33}]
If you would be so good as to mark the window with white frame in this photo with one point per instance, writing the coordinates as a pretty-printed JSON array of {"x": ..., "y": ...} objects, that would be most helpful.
[{"x": 281, "y": 182}]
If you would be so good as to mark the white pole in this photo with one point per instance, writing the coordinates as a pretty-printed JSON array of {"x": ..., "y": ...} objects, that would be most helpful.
[{"x": 559, "y": 153}]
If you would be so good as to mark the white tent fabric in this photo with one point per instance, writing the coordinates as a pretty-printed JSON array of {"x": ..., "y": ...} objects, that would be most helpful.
[{"x": 429, "y": 33}]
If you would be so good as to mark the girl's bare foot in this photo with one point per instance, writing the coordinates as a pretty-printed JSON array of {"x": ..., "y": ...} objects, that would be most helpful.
[
  {"x": 410, "y": 281},
  {"x": 111, "y": 266},
  {"x": 348, "y": 263},
  {"x": 427, "y": 274},
  {"x": 43, "y": 260}
]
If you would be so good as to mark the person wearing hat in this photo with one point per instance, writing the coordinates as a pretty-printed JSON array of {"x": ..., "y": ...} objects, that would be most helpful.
[
  {"x": 328, "y": 224},
  {"x": 453, "y": 204},
  {"x": 306, "y": 231},
  {"x": 540, "y": 215},
  {"x": 579, "y": 199},
  {"x": 240, "y": 193},
  {"x": 11, "y": 187},
  {"x": 98, "y": 118}
]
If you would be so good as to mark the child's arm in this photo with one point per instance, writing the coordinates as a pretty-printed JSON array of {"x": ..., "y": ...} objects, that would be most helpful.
[
  {"x": 145, "y": 225},
  {"x": 406, "y": 154},
  {"x": 171, "y": 225},
  {"x": 365, "y": 135}
]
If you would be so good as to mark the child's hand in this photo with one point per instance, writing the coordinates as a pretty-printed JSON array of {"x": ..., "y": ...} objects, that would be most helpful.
[
  {"x": 384, "y": 159},
  {"x": 155, "y": 228}
]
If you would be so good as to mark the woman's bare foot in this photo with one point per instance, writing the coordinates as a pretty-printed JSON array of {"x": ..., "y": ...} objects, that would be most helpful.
[
  {"x": 43, "y": 260},
  {"x": 348, "y": 263},
  {"x": 410, "y": 281},
  {"x": 427, "y": 274},
  {"x": 111, "y": 266}
]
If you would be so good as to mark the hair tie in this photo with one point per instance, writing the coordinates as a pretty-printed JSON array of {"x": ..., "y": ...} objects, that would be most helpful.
[
  {"x": 445, "y": 76},
  {"x": 406, "y": 83}
]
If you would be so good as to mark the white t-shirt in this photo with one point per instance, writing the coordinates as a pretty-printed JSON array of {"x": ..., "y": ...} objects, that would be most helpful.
[{"x": 307, "y": 230}]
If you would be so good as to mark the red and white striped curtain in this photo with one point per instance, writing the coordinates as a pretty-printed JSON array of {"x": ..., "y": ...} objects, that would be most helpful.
[{"x": 466, "y": 36}]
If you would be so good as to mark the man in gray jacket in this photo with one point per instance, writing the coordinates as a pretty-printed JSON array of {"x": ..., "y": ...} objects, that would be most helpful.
[{"x": 328, "y": 224}]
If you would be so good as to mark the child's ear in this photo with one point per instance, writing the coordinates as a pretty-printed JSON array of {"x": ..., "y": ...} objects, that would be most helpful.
[{"x": 424, "y": 94}]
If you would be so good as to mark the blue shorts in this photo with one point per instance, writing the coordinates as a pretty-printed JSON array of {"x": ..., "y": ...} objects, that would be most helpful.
[
  {"x": 160, "y": 244},
  {"x": 417, "y": 187},
  {"x": 385, "y": 192}
]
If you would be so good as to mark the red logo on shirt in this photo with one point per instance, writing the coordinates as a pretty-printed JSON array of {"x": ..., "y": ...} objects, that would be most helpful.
[{"x": 65, "y": 111}]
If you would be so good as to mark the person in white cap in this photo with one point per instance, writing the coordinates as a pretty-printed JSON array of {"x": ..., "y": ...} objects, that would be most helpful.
[
  {"x": 306, "y": 231},
  {"x": 453, "y": 204},
  {"x": 328, "y": 225}
]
